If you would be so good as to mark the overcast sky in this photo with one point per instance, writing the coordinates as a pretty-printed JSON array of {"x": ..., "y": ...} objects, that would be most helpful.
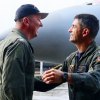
[{"x": 8, "y": 8}]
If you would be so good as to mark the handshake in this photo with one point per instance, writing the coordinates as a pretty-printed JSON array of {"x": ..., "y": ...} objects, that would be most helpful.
[{"x": 54, "y": 76}]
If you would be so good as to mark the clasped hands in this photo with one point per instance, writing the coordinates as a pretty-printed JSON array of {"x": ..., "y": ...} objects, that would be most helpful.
[{"x": 52, "y": 76}]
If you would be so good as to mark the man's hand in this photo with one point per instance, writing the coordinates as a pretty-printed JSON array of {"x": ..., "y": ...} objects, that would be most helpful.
[{"x": 52, "y": 76}]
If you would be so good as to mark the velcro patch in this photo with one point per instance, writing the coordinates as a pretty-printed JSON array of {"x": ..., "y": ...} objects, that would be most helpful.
[{"x": 98, "y": 59}]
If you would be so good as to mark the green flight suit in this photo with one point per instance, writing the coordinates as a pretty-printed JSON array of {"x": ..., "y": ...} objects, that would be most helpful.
[
  {"x": 85, "y": 75},
  {"x": 16, "y": 67}
]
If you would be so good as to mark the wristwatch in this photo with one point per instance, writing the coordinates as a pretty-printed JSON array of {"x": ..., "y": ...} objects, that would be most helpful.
[{"x": 65, "y": 77}]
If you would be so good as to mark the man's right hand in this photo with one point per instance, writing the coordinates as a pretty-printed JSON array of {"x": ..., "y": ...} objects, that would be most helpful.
[{"x": 52, "y": 76}]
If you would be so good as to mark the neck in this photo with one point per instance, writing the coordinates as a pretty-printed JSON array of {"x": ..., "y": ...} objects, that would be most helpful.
[
  {"x": 83, "y": 46},
  {"x": 22, "y": 28}
]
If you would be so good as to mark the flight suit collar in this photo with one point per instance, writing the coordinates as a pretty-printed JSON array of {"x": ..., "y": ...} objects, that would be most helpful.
[
  {"x": 80, "y": 64},
  {"x": 91, "y": 47},
  {"x": 20, "y": 33}
]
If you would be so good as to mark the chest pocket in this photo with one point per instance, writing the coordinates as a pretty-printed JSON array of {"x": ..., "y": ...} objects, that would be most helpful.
[
  {"x": 81, "y": 65},
  {"x": 85, "y": 64}
]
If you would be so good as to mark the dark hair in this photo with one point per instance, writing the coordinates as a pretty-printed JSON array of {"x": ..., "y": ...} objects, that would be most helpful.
[{"x": 89, "y": 21}]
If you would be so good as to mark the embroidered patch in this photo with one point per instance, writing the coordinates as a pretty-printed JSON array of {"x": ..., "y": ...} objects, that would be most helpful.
[
  {"x": 98, "y": 59},
  {"x": 81, "y": 69},
  {"x": 71, "y": 69}
]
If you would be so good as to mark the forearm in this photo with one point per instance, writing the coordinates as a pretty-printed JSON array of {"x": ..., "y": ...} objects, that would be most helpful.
[
  {"x": 39, "y": 85},
  {"x": 85, "y": 81}
]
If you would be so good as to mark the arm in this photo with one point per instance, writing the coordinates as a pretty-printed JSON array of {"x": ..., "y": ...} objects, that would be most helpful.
[
  {"x": 41, "y": 86},
  {"x": 13, "y": 77},
  {"x": 89, "y": 81}
]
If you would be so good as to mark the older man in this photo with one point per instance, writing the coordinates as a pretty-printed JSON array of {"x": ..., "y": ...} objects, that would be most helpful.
[{"x": 17, "y": 55}]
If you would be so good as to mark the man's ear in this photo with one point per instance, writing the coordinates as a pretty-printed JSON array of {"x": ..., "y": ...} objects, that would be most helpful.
[
  {"x": 85, "y": 32},
  {"x": 26, "y": 21}
]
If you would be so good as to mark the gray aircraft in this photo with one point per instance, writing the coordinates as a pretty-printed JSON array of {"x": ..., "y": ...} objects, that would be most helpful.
[{"x": 52, "y": 43}]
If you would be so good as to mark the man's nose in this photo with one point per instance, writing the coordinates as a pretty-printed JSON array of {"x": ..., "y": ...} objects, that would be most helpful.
[{"x": 70, "y": 30}]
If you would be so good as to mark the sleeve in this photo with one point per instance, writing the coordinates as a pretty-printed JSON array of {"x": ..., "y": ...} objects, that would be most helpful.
[
  {"x": 89, "y": 81},
  {"x": 39, "y": 85},
  {"x": 13, "y": 77}
]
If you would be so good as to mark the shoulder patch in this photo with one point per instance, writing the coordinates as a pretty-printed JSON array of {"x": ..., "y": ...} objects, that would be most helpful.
[
  {"x": 71, "y": 68},
  {"x": 98, "y": 59}
]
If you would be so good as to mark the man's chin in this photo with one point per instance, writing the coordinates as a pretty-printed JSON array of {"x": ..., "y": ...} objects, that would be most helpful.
[
  {"x": 34, "y": 36},
  {"x": 71, "y": 41}
]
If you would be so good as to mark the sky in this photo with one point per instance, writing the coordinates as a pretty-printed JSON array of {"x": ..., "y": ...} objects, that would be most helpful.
[{"x": 8, "y": 8}]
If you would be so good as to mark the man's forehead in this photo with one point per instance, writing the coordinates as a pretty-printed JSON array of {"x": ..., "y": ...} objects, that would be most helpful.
[{"x": 75, "y": 22}]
